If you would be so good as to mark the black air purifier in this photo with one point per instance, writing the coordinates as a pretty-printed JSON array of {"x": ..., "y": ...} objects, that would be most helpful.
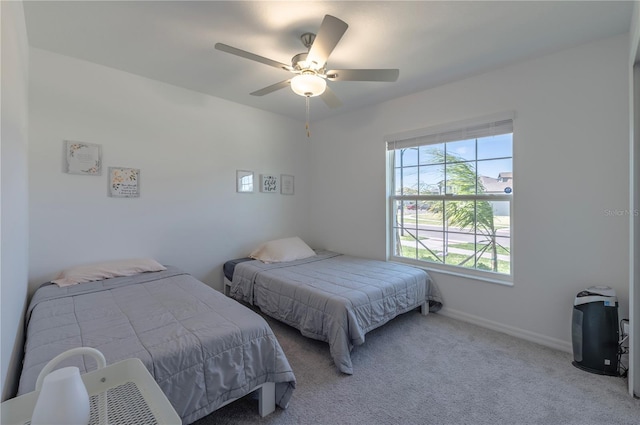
[{"x": 595, "y": 331}]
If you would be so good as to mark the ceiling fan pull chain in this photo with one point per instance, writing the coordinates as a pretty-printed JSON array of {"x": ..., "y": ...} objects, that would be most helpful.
[{"x": 307, "y": 123}]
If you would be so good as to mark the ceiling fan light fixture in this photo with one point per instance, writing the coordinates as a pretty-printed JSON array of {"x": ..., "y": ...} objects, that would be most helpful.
[{"x": 308, "y": 85}]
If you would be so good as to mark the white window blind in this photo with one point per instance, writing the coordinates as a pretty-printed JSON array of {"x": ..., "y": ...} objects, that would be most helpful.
[{"x": 465, "y": 130}]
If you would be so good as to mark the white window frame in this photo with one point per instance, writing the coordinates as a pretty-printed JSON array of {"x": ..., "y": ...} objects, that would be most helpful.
[{"x": 461, "y": 130}]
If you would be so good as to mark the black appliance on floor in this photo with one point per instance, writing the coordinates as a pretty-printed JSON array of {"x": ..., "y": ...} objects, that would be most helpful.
[{"x": 595, "y": 331}]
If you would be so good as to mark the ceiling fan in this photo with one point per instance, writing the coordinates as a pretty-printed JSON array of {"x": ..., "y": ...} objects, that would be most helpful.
[{"x": 311, "y": 67}]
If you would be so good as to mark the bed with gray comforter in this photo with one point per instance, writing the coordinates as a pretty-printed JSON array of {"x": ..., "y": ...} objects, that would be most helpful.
[
  {"x": 333, "y": 297},
  {"x": 202, "y": 348}
]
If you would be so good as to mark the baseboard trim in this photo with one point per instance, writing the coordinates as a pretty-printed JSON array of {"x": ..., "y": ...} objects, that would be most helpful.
[{"x": 555, "y": 343}]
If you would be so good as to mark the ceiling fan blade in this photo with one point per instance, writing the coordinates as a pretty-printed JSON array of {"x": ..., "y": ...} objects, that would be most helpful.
[
  {"x": 251, "y": 56},
  {"x": 271, "y": 88},
  {"x": 389, "y": 75},
  {"x": 330, "y": 98},
  {"x": 331, "y": 31}
]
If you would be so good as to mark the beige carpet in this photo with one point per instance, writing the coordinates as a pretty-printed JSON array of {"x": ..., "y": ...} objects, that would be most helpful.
[{"x": 436, "y": 370}]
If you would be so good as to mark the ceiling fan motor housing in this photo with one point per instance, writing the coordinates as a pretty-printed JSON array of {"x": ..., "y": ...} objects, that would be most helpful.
[{"x": 299, "y": 63}]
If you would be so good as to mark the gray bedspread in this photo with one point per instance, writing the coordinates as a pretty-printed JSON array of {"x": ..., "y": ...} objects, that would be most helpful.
[
  {"x": 332, "y": 297},
  {"x": 201, "y": 347}
]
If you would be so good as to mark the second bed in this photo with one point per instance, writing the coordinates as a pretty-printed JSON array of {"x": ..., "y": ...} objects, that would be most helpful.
[{"x": 330, "y": 297}]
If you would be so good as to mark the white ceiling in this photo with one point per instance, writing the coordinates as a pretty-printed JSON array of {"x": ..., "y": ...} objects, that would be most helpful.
[{"x": 432, "y": 43}]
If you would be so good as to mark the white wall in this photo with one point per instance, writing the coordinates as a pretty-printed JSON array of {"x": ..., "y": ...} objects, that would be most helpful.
[
  {"x": 14, "y": 201},
  {"x": 187, "y": 146},
  {"x": 571, "y": 166}
]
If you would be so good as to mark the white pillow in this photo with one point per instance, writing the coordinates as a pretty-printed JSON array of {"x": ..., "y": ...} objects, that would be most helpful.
[
  {"x": 91, "y": 272},
  {"x": 279, "y": 250}
]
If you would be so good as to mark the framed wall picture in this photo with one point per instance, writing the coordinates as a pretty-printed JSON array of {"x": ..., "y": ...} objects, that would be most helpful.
[
  {"x": 83, "y": 158},
  {"x": 124, "y": 182},
  {"x": 286, "y": 184},
  {"x": 244, "y": 181},
  {"x": 268, "y": 183}
]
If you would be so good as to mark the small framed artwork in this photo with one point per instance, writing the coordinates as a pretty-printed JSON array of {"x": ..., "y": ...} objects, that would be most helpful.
[
  {"x": 244, "y": 181},
  {"x": 83, "y": 158},
  {"x": 268, "y": 183},
  {"x": 286, "y": 184},
  {"x": 124, "y": 182}
]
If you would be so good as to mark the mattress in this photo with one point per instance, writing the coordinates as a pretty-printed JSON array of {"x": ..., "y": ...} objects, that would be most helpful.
[
  {"x": 202, "y": 348},
  {"x": 229, "y": 267},
  {"x": 332, "y": 297}
]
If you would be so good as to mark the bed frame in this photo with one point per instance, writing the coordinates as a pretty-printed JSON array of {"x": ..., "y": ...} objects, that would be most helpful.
[{"x": 266, "y": 398}]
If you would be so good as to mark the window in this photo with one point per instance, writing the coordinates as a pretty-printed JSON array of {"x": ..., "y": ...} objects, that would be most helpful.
[{"x": 450, "y": 197}]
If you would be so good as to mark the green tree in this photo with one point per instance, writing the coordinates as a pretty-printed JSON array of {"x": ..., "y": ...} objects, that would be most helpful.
[{"x": 461, "y": 179}]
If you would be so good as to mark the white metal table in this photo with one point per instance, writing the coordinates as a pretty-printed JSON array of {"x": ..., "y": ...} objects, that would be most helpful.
[{"x": 133, "y": 397}]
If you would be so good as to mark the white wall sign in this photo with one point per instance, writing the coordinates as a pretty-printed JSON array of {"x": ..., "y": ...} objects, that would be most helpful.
[
  {"x": 268, "y": 183},
  {"x": 286, "y": 184},
  {"x": 244, "y": 181},
  {"x": 83, "y": 158},
  {"x": 124, "y": 182}
]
